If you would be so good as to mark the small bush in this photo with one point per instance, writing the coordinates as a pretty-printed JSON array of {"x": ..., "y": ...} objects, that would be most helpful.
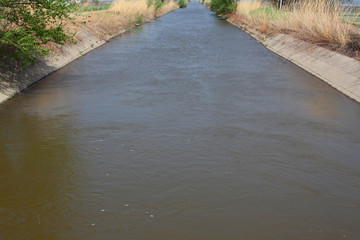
[
  {"x": 149, "y": 3},
  {"x": 222, "y": 6},
  {"x": 158, "y": 4},
  {"x": 182, "y": 3},
  {"x": 139, "y": 19}
]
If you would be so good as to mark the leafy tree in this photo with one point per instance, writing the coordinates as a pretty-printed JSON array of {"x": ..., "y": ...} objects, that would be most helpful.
[
  {"x": 222, "y": 6},
  {"x": 27, "y": 24},
  {"x": 182, "y": 3}
]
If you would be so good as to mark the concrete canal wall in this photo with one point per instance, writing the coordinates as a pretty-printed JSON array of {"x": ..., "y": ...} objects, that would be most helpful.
[
  {"x": 12, "y": 83},
  {"x": 337, "y": 70}
]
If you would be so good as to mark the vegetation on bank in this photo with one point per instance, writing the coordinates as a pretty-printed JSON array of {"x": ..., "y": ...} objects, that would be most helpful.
[
  {"x": 222, "y": 6},
  {"x": 33, "y": 28},
  {"x": 182, "y": 4},
  {"x": 90, "y": 7},
  {"x": 318, "y": 21},
  {"x": 28, "y": 24},
  {"x": 124, "y": 14}
]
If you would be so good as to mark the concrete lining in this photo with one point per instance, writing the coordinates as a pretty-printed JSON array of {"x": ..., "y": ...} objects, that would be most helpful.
[
  {"x": 13, "y": 83},
  {"x": 339, "y": 71}
]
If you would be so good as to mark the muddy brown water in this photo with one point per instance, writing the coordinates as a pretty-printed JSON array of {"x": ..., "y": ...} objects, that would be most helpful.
[{"x": 185, "y": 129}]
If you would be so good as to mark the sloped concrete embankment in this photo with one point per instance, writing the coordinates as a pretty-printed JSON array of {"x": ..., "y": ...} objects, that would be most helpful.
[
  {"x": 12, "y": 83},
  {"x": 88, "y": 37},
  {"x": 339, "y": 71}
]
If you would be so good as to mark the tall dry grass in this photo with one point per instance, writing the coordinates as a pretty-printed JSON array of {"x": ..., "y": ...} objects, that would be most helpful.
[
  {"x": 121, "y": 15},
  {"x": 130, "y": 10},
  {"x": 254, "y": 13},
  {"x": 319, "y": 21},
  {"x": 245, "y": 7},
  {"x": 314, "y": 20},
  {"x": 206, "y": 3},
  {"x": 168, "y": 7}
]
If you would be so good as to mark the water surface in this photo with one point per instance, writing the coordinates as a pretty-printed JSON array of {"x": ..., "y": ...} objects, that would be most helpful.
[{"x": 186, "y": 128}]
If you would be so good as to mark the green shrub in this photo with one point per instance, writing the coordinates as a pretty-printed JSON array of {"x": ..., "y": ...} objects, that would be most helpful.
[
  {"x": 158, "y": 4},
  {"x": 182, "y": 3},
  {"x": 149, "y": 3},
  {"x": 222, "y": 6},
  {"x": 27, "y": 24},
  {"x": 139, "y": 19}
]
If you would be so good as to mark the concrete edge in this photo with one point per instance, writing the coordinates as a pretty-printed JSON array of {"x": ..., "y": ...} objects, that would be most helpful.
[
  {"x": 53, "y": 63},
  {"x": 339, "y": 71}
]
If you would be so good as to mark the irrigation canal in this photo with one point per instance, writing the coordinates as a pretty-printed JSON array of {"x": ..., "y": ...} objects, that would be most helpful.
[{"x": 185, "y": 129}]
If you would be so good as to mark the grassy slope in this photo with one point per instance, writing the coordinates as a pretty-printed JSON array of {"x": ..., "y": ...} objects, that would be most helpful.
[{"x": 314, "y": 21}]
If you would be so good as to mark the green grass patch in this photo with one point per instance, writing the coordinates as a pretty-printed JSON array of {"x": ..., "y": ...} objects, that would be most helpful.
[
  {"x": 268, "y": 12},
  {"x": 90, "y": 8},
  {"x": 351, "y": 17}
]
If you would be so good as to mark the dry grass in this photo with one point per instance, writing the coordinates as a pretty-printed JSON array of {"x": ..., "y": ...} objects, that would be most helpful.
[
  {"x": 206, "y": 3},
  {"x": 244, "y": 8},
  {"x": 104, "y": 24},
  {"x": 120, "y": 15},
  {"x": 131, "y": 9},
  {"x": 254, "y": 13},
  {"x": 170, "y": 6},
  {"x": 317, "y": 21}
]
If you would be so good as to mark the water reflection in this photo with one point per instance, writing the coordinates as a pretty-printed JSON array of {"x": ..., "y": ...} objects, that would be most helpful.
[
  {"x": 37, "y": 172},
  {"x": 318, "y": 102}
]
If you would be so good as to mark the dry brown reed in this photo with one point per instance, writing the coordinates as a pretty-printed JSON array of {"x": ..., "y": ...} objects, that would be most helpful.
[
  {"x": 318, "y": 21},
  {"x": 130, "y": 10},
  {"x": 261, "y": 21},
  {"x": 245, "y": 7},
  {"x": 121, "y": 15},
  {"x": 168, "y": 7}
]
